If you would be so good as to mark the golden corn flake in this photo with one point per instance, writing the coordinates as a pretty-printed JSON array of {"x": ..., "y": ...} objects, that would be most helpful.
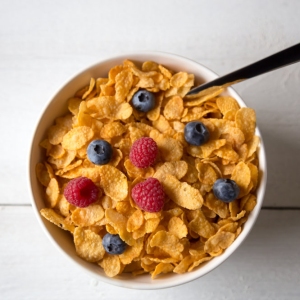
[
  {"x": 242, "y": 176},
  {"x": 111, "y": 265},
  {"x": 55, "y": 218},
  {"x": 245, "y": 119},
  {"x": 132, "y": 252},
  {"x": 169, "y": 148},
  {"x": 52, "y": 192},
  {"x": 113, "y": 182},
  {"x": 73, "y": 105},
  {"x": 216, "y": 205},
  {"x": 226, "y": 104},
  {"x": 179, "y": 79},
  {"x": 123, "y": 84},
  {"x": 87, "y": 216},
  {"x": 56, "y": 134},
  {"x": 42, "y": 174},
  {"x": 77, "y": 137},
  {"x": 119, "y": 223},
  {"x": 174, "y": 108},
  {"x": 203, "y": 96},
  {"x": 135, "y": 221},
  {"x": 63, "y": 206},
  {"x": 206, "y": 173},
  {"x": 162, "y": 268},
  {"x": 207, "y": 149},
  {"x": 252, "y": 145},
  {"x": 154, "y": 114},
  {"x": 177, "y": 227},
  {"x": 88, "y": 244},
  {"x": 218, "y": 242},
  {"x": 194, "y": 226},
  {"x": 149, "y": 66},
  {"x": 176, "y": 168},
  {"x": 182, "y": 193},
  {"x": 163, "y": 126},
  {"x": 91, "y": 86},
  {"x": 201, "y": 225},
  {"x": 254, "y": 174},
  {"x": 109, "y": 107},
  {"x": 112, "y": 129},
  {"x": 168, "y": 242}
]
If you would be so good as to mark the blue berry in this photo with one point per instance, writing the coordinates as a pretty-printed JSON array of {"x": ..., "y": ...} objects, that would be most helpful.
[
  {"x": 226, "y": 190},
  {"x": 143, "y": 101},
  {"x": 99, "y": 152},
  {"x": 195, "y": 133},
  {"x": 113, "y": 244}
]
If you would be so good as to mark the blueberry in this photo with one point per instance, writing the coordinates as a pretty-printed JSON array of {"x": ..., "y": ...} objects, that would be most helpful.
[
  {"x": 195, "y": 133},
  {"x": 99, "y": 152},
  {"x": 226, "y": 190},
  {"x": 113, "y": 244},
  {"x": 143, "y": 100}
]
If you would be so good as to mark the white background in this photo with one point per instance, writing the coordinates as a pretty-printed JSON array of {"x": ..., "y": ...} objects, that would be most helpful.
[{"x": 43, "y": 43}]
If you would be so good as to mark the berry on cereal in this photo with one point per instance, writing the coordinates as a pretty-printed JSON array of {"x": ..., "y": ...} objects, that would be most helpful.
[
  {"x": 143, "y": 152},
  {"x": 143, "y": 101},
  {"x": 149, "y": 195},
  {"x": 226, "y": 190},
  {"x": 81, "y": 192},
  {"x": 113, "y": 244},
  {"x": 99, "y": 152},
  {"x": 196, "y": 133}
]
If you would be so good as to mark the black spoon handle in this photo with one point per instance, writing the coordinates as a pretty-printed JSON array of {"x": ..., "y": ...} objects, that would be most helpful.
[{"x": 280, "y": 59}]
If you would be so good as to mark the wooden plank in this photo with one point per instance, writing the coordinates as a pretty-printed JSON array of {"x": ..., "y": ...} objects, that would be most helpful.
[{"x": 266, "y": 266}]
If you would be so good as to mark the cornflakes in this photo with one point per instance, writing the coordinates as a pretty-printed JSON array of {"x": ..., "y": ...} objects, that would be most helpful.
[{"x": 194, "y": 226}]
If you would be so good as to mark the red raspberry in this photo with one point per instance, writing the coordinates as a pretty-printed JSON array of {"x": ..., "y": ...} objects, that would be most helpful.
[
  {"x": 143, "y": 152},
  {"x": 149, "y": 195},
  {"x": 81, "y": 192}
]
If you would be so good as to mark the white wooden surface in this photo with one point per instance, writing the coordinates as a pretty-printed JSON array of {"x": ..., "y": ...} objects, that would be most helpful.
[{"x": 43, "y": 43}]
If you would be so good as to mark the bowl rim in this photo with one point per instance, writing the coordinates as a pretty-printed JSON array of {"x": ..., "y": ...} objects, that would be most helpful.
[{"x": 154, "y": 284}]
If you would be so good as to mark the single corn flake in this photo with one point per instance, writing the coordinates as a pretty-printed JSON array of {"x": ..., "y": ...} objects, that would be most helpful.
[
  {"x": 113, "y": 182},
  {"x": 179, "y": 79},
  {"x": 77, "y": 137},
  {"x": 177, "y": 227},
  {"x": 174, "y": 108},
  {"x": 182, "y": 193},
  {"x": 52, "y": 192},
  {"x": 245, "y": 119},
  {"x": 242, "y": 176},
  {"x": 201, "y": 225},
  {"x": 227, "y": 103},
  {"x": 218, "y": 242},
  {"x": 135, "y": 221},
  {"x": 53, "y": 217},
  {"x": 42, "y": 174},
  {"x": 176, "y": 168},
  {"x": 162, "y": 268},
  {"x": 88, "y": 244},
  {"x": 169, "y": 148},
  {"x": 87, "y": 216}
]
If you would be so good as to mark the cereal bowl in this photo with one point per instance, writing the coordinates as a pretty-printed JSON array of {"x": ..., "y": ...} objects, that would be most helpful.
[{"x": 62, "y": 240}]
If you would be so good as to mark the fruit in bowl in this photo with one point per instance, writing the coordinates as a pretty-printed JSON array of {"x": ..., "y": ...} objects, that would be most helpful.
[{"x": 143, "y": 178}]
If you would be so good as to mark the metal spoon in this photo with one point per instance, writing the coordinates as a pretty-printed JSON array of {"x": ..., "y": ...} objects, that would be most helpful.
[{"x": 278, "y": 60}]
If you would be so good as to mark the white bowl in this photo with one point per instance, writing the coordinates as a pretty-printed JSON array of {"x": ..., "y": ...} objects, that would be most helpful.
[{"x": 62, "y": 240}]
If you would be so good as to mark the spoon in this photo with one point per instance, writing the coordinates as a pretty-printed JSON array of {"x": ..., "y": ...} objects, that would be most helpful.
[{"x": 278, "y": 60}]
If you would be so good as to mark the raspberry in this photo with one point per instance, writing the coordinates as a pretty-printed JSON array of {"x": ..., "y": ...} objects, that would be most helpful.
[
  {"x": 143, "y": 152},
  {"x": 149, "y": 195},
  {"x": 81, "y": 192}
]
